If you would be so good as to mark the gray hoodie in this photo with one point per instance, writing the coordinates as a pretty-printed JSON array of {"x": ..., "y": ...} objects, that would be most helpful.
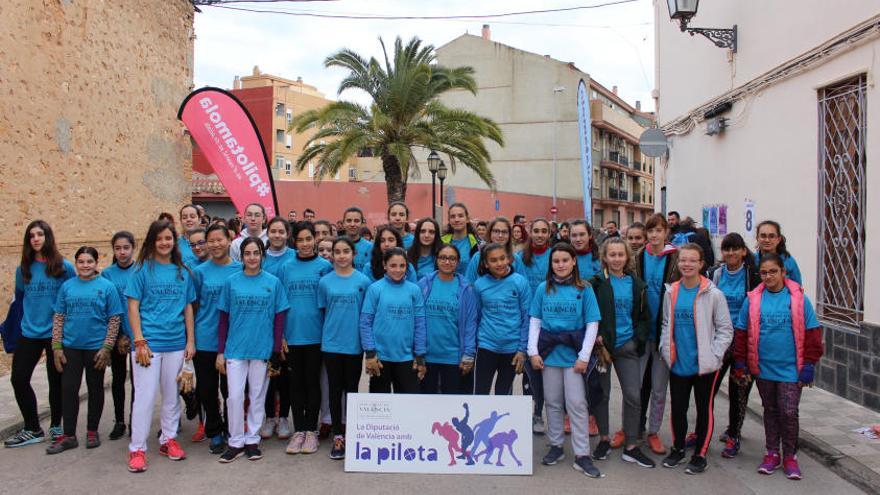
[{"x": 712, "y": 322}]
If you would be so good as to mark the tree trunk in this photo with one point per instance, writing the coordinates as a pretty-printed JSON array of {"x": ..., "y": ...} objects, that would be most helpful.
[{"x": 395, "y": 182}]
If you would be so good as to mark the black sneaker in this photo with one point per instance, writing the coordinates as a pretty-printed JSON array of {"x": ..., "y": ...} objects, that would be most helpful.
[
  {"x": 231, "y": 454},
  {"x": 585, "y": 465},
  {"x": 635, "y": 455},
  {"x": 117, "y": 432},
  {"x": 338, "y": 450},
  {"x": 25, "y": 437},
  {"x": 63, "y": 443},
  {"x": 675, "y": 457},
  {"x": 601, "y": 452},
  {"x": 252, "y": 451},
  {"x": 217, "y": 445},
  {"x": 555, "y": 455},
  {"x": 697, "y": 465},
  {"x": 93, "y": 440}
]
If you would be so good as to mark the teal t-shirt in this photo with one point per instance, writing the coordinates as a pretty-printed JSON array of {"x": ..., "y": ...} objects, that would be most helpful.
[
  {"x": 565, "y": 309},
  {"x": 39, "y": 297},
  {"x": 425, "y": 266},
  {"x": 163, "y": 290},
  {"x": 341, "y": 299},
  {"x": 503, "y": 302},
  {"x": 300, "y": 279},
  {"x": 654, "y": 278},
  {"x": 394, "y": 307},
  {"x": 464, "y": 251},
  {"x": 777, "y": 354},
  {"x": 363, "y": 254},
  {"x": 209, "y": 279},
  {"x": 537, "y": 271},
  {"x": 623, "y": 306},
  {"x": 733, "y": 285},
  {"x": 186, "y": 253},
  {"x": 252, "y": 302},
  {"x": 686, "y": 360},
  {"x": 587, "y": 266},
  {"x": 441, "y": 315},
  {"x": 86, "y": 306},
  {"x": 408, "y": 240},
  {"x": 272, "y": 263},
  {"x": 119, "y": 276}
]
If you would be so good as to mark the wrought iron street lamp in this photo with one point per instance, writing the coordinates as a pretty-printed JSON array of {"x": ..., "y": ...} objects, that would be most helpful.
[
  {"x": 685, "y": 10},
  {"x": 433, "y": 165},
  {"x": 441, "y": 174}
]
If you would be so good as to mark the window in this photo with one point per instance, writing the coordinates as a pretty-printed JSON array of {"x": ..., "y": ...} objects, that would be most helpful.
[
  {"x": 311, "y": 170},
  {"x": 288, "y": 140},
  {"x": 352, "y": 174},
  {"x": 279, "y": 109},
  {"x": 616, "y": 216},
  {"x": 336, "y": 176},
  {"x": 279, "y": 162},
  {"x": 279, "y": 135},
  {"x": 598, "y": 218},
  {"x": 630, "y": 217},
  {"x": 842, "y": 202},
  {"x": 288, "y": 167},
  {"x": 289, "y": 116}
]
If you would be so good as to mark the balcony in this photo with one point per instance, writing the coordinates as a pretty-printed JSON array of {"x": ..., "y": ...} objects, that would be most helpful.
[
  {"x": 618, "y": 194},
  {"x": 637, "y": 198}
]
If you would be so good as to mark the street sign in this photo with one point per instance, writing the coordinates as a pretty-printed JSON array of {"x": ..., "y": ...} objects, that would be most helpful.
[
  {"x": 653, "y": 142},
  {"x": 554, "y": 210}
]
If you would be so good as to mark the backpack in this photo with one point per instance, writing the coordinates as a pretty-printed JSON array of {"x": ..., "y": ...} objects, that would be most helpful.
[{"x": 682, "y": 238}]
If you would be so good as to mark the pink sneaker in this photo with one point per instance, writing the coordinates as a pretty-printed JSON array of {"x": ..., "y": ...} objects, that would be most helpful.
[
  {"x": 296, "y": 443},
  {"x": 172, "y": 450},
  {"x": 310, "y": 445},
  {"x": 771, "y": 463},
  {"x": 137, "y": 461},
  {"x": 790, "y": 467}
]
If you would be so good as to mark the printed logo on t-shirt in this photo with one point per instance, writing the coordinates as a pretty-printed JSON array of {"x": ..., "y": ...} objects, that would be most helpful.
[
  {"x": 684, "y": 315},
  {"x": 399, "y": 312},
  {"x": 82, "y": 305},
  {"x": 560, "y": 307},
  {"x": 247, "y": 303},
  {"x": 775, "y": 319},
  {"x": 42, "y": 288}
]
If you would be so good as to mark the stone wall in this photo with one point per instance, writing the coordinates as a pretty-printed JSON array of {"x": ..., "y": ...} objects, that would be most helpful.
[
  {"x": 89, "y": 136},
  {"x": 851, "y": 364}
]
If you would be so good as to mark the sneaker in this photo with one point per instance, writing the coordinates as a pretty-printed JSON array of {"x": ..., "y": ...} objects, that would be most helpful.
[
  {"x": 231, "y": 454},
  {"x": 338, "y": 450},
  {"x": 601, "y": 452},
  {"x": 586, "y": 466},
  {"x": 771, "y": 463},
  {"x": 55, "y": 432},
  {"x": 731, "y": 448},
  {"x": 538, "y": 425},
  {"x": 296, "y": 443},
  {"x": 724, "y": 437},
  {"x": 690, "y": 441},
  {"x": 655, "y": 444},
  {"x": 268, "y": 428},
  {"x": 283, "y": 429},
  {"x": 635, "y": 455},
  {"x": 63, "y": 443},
  {"x": 675, "y": 457},
  {"x": 93, "y": 441},
  {"x": 217, "y": 445},
  {"x": 25, "y": 437},
  {"x": 137, "y": 461},
  {"x": 554, "y": 455},
  {"x": 594, "y": 428},
  {"x": 566, "y": 425},
  {"x": 790, "y": 467},
  {"x": 199, "y": 435},
  {"x": 252, "y": 451},
  {"x": 697, "y": 465},
  {"x": 118, "y": 431},
  {"x": 172, "y": 450},
  {"x": 324, "y": 431},
  {"x": 617, "y": 439},
  {"x": 310, "y": 445}
]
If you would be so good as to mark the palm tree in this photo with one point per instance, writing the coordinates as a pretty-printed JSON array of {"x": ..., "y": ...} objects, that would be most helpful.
[{"x": 405, "y": 114}]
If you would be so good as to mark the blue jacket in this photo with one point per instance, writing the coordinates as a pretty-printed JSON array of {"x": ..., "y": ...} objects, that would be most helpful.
[
  {"x": 468, "y": 312},
  {"x": 10, "y": 329}
]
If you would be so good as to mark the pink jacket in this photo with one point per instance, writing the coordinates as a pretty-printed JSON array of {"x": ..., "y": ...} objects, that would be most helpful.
[{"x": 798, "y": 326}]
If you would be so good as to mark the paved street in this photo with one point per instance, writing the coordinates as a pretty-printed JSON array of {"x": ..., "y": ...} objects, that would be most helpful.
[{"x": 103, "y": 470}]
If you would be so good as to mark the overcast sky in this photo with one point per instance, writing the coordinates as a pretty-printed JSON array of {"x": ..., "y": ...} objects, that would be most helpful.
[{"x": 614, "y": 44}]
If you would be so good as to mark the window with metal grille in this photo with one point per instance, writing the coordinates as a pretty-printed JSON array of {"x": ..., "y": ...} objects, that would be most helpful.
[{"x": 842, "y": 202}]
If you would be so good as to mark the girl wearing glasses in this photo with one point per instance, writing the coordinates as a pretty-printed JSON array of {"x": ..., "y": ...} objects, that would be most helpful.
[
  {"x": 778, "y": 342},
  {"x": 771, "y": 241},
  {"x": 499, "y": 231},
  {"x": 451, "y": 318}
]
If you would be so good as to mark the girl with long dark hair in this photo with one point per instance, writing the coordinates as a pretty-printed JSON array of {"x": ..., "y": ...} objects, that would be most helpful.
[
  {"x": 387, "y": 237},
  {"x": 423, "y": 252},
  {"x": 37, "y": 281}
]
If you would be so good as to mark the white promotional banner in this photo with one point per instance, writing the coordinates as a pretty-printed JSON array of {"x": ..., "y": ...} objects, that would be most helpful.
[
  {"x": 445, "y": 434},
  {"x": 585, "y": 137}
]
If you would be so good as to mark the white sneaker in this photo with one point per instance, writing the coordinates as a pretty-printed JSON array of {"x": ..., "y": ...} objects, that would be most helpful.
[
  {"x": 268, "y": 428},
  {"x": 283, "y": 429},
  {"x": 538, "y": 425}
]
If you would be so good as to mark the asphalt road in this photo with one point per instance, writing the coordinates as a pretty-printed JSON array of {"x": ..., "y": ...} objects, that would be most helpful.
[{"x": 103, "y": 470}]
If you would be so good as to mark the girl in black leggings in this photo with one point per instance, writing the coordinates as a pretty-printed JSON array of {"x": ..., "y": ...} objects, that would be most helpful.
[{"x": 37, "y": 281}]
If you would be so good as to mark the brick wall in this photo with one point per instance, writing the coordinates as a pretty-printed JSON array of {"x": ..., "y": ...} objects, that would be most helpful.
[
  {"x": 851, "y": 364},
  {"x": 88, "y": 119}
]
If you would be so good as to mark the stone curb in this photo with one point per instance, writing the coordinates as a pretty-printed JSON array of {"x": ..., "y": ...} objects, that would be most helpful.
[{"x": 841, "y": 464}]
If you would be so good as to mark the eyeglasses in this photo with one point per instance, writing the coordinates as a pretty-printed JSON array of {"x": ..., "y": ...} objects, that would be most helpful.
[
  {"x": 768, "y": 237},
  {"x": 500, "y": 232},
  {"x": 447, "y": 259},
  {"x": 199, "y": 243},
  {"x": 767, "y": 273}
]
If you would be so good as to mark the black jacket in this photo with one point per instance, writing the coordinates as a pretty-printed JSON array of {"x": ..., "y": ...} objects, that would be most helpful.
[
  {"x": 641, "y": 313},
  {"x": 670, "y": 274}
]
